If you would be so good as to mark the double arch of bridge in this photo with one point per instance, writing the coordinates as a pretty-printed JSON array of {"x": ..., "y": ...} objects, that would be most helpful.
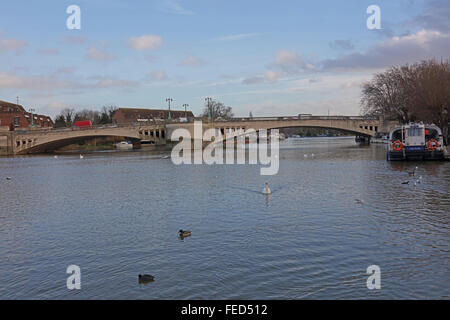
[{"x": 39, "y": 141}]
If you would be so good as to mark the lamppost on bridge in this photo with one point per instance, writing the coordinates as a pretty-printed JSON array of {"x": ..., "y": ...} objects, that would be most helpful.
[
  {"x": 169, "y": 100},
  {"x": 32, "y": 116},
  {"x": 185, "y": 112},
  {"x": 208, "y": 102}
]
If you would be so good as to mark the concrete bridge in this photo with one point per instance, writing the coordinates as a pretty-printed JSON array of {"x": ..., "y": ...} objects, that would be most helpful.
[{"x": 40, "y": 141}]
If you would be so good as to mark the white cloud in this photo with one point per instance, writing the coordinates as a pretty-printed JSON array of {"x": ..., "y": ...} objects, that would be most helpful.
[
  {"x": 239, "y": 36},
  {"x": 145, "y": 42},
  {"x": 158, "y": 75},
  {"x": 171, "y": 6},
  {"x": 191, "y": 61},
  {"x": 424, "y": 44},
  {"x": 15, "y": 45},
  {"x": 95, "y": 54}
]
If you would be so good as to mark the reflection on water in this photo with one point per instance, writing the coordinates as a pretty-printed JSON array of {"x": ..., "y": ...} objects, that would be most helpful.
[{"x": 117, "y": 215}]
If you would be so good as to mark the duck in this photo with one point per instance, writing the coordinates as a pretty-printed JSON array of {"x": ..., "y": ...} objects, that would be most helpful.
[
  {"x": 266, "y": 189},
  {"x": 184, "y": 233},
  {"x": 405, "y": 182},
  {"x": 145, "y": 278},
  {"x": 8, "y": 178},
  {"x": 413, "y": 173}
]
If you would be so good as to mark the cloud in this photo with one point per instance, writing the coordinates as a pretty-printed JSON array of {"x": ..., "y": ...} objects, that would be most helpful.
[
  {"x": 74, "y": 40},
  {"x": 272, "y": 76},
  {"x": 435, "y": 16},
  {"x": 253, "y": 80},
  {"x": 239, "y": 36},
  {"x": 424, "y": 44},
  {"x": 113, "y": 82},
  {"x": 14, "y": 45},
  {"x": 145, "y": 42},
  {"x": 95, "y": 54},
  {"x": 170, "y": 6},
  {"x": 48, "y": 51},
  {"x": 159, "y": 75},
  {"x": 290, "y": 63},
  {"x": 38, "y": 82},
  {"x": 342, "y": 45},
  {"x": 191, "y": 61}
]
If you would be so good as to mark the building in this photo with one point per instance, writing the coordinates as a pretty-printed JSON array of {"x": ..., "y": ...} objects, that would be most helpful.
[
  {"x": 134, "y": 115},
  {"x": 14, "y": 116}
]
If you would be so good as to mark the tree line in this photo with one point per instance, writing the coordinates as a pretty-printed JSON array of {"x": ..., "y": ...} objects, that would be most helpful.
[
  {"x": 412, "y": 92},
  {"x": 68, "y": 116}
]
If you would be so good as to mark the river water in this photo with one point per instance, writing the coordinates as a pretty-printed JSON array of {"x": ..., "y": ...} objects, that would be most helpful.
[{"x": 329, "y": 217}]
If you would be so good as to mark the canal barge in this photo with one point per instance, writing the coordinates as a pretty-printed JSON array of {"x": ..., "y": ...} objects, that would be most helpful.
[{"x": 416, "y": 141}]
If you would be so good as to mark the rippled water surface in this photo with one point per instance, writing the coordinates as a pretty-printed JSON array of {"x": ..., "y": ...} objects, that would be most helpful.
[{"x": 329, "y": 217}]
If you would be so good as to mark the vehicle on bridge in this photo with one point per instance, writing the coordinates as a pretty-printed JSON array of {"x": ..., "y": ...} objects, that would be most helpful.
[
  {"x": 416, "y": 141},
  {"x": 85, "y": 124}
]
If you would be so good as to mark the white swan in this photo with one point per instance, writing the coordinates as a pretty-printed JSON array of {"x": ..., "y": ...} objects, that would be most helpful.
[{"x": 266, "y": 189}]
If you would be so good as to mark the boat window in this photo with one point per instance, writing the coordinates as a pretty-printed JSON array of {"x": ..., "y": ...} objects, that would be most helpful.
[
  {"x": 431, "y": 134},
  {"x": 397, "y": 135},
  {"x": 415, "y": 132}
]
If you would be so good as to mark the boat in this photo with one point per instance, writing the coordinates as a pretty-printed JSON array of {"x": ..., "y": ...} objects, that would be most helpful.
[
  {"x": 124, "y": 145},
  {"x": 415, "y": 141}
]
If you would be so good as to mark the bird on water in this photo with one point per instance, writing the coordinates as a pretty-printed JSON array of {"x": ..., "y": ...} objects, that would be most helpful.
[
  {"x": 266, "y": 189},
  {"x": 145, "y": 278},
  {"x": 184, "y": 233}
]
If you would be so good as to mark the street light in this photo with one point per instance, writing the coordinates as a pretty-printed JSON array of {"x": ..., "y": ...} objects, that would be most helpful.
[
  {"x": 169, "y": 100},
  {"x": 185, "y": 112},
  {"x": 208, "y": 101},
  {"x": 32, "y": 116}
]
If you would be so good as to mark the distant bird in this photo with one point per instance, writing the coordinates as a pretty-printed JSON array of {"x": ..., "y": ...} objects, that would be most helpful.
[
  {"x": 8, "y": 178},
  {"x": 415, "y": 184},
  {"x": 413, "y": 173},
  {"x": 305, "y": 155},
  {"x": 405, "y": 182},
  {"x": 312, "y": 154},
  {"x": 165, "y": 157},
  {"x": 56, "y": 157},
  {"x": 359, "y": 201},
  {"x": 184, "y": 233},
  {"x": 266, "y": 189},
  {"x": 145, "y": 278},
  {"x": 81, "y": 156}
]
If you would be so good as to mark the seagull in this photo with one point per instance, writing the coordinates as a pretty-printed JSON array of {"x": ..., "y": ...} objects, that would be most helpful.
[
  {"x": 81, "y": 156},
  {"x": 305, "y": 155},
  {"x": 312, "y": 154},
  {"x": 359, "y": 201},
  {"x": 266, "y": 189},
  {"x": 56, "y": 157}
]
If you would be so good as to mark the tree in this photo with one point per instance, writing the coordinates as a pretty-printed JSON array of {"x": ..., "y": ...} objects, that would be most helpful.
[
  {"x": 215, "y": 109},
  {"x": 417, "y": 92},
  {"x": 60, "y": 122},
  {"x": 66, "y": 116}
]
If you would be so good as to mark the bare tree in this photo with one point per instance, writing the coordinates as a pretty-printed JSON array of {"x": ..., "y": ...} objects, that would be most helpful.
[{"x": 215, "y": 109}]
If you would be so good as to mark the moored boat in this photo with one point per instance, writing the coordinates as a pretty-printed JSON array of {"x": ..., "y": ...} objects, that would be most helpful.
[{"x": 416, "y": 141}]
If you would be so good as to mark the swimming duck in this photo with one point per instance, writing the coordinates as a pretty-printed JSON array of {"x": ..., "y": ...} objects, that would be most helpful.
[
  {"x": 184, "y": 233},
  {"x": 413, "y": 173},
  {"x": 8, "y": 178},
  {"x": 145, "y": 278},
  {"x": 266, "y": 189}
]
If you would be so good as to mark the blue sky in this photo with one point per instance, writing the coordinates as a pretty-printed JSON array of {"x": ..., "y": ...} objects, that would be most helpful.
[{"x": 268, "y": 57}]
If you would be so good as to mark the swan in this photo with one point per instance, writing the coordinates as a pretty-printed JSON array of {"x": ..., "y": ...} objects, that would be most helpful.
[
  {"x": 266, "y": 189},
  {"x": 184, "y": 233},
  {"x": 145, "y": 278}
]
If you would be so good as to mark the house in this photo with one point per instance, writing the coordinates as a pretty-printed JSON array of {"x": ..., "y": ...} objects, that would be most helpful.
[
  {"x": 135, "y": 115},
  {"x": 14, "y": 116}
]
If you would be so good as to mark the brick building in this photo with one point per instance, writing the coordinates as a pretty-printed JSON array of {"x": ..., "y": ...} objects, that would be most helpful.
[
  {"x": 134, "y": 115},
  {"x": 14, "y": 116}
]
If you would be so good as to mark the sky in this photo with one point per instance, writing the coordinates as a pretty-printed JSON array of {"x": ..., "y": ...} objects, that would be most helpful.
[{"x": 268, "y": 57}]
